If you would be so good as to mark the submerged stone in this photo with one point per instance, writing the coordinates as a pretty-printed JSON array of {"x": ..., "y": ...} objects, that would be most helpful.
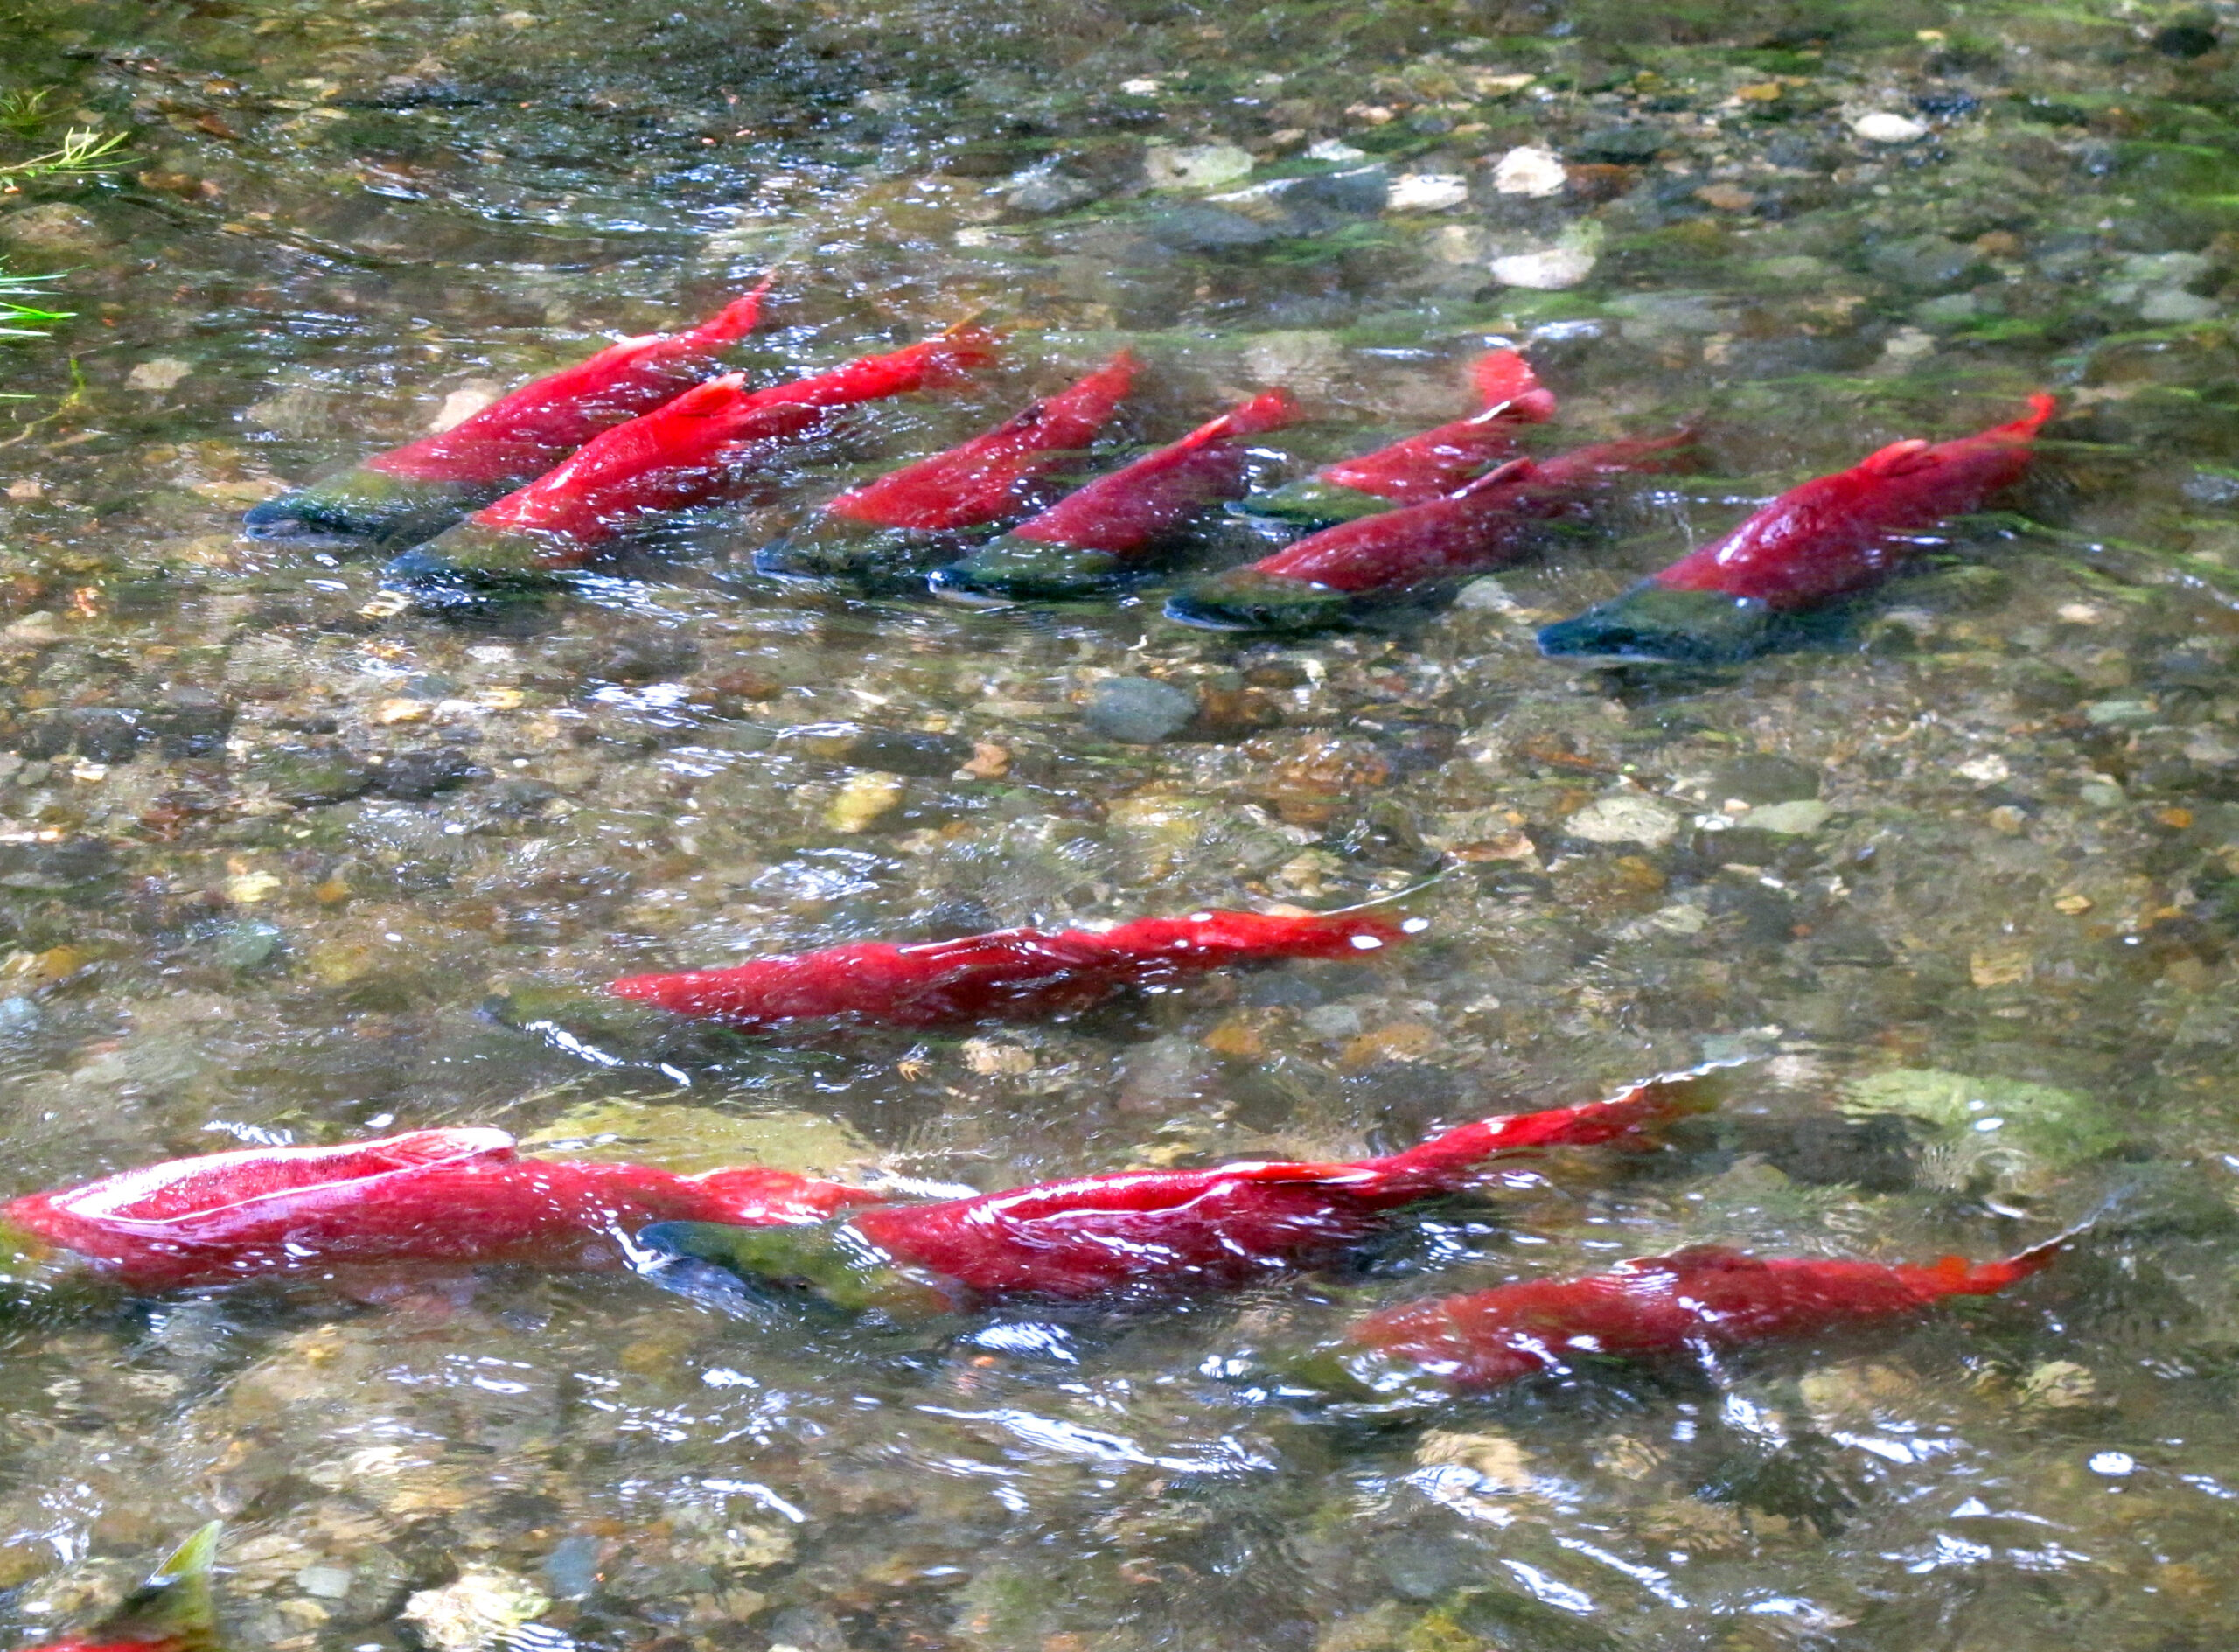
[
  {"x": 1197, "y": 227},
  {"x": 308, "y": 775},
  {"x": 1140, "y": 710}
]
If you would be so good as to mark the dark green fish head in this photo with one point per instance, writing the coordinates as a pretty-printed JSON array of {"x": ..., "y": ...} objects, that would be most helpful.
[
  {"x": 173, "y": 1609},
  {"x": 1030, "y": 570},
  {"x": 831, "y": 548},
  {"x": 364, "y": 504},
  {"x": 1652, "y": 623},
  {"x": 1311, "y": 503},
  {"x": 496, "y": 557},
  {"x": 827, "y": 1264},
  {"x": 470, "y": 571},
  {"x": 1242, "y": 599}
]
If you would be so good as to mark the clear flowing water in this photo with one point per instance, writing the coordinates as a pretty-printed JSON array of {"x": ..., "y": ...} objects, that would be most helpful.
[{"x": 1961, "y": 873}]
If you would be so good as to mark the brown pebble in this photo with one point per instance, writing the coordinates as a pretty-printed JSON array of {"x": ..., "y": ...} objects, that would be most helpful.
[
  {"x": 1237, "y": 1039},
  {"x": 1599, "y": 180},
  {"x": 1401, "y": 1041},
  {"x": 989, "y": 761},
  {"x": 744, "y": 684}
]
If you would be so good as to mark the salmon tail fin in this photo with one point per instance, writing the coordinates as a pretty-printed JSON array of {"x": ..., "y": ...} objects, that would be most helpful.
[
  {"x": 2043, "y": 406},
  {"x": 1506, "y": 383},
  {"x": 1499, "y": 476},
  {"x": 1398, "y": 897},
  {"x": 1112, "y": 381},
  {"x": 174, "y": 1605},
  {"x": 970, "y": 345},
  {"x": 1448, "y": 1160},
  {"x": 1686, "y": 1093},
  {"x": 1269, "y": 410},
  {"x": 1956, "y": 1276},
  {"x": 735, "y": 319},
  {"x": 1116, "y": 377}
]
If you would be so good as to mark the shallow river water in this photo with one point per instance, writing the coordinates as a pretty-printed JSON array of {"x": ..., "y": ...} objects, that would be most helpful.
[{"x": 1957, "y": 874}]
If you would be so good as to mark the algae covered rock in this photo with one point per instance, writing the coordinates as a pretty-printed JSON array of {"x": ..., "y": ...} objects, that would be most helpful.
[
  {"x": 691, "y": 1139},
  {"x": 1997, "y": 1135}
]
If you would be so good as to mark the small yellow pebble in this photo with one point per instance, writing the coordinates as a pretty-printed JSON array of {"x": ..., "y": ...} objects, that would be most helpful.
[
  {"x": 863, "y": 802},
  {"x": 247, "y": 889}
]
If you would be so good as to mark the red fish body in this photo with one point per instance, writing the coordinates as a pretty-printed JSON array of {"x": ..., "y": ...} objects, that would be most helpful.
[
  {"x": 453, "y": 1197},
  {"x": 1706, "y": 1298},
  {"x": 1489, "y": 522},
  {"x": 418, "y": 489},
  {"x": 686, "y": 452},
  {"x": 1156, "y": 1231},
  {"x": 906, "y": 519},
  {"x": 1419, "y": 468},
  {"x": 173, "y": 1611},
  {"x": 1089, "y": 538},
  {"x": 1008, "y": 974},
  {"x": 1834, "y": 535}
]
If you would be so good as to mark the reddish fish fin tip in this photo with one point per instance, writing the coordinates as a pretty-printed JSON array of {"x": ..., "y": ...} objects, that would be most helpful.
[
  {"x": 1269, "y": 410},
  {"x": 1499, "y": 476},
  {"x": 1500, "y": 374},
  {"x": 737, "y": 318},
  {"x": 1899, "y": 459},
  {"x": 2043, "y": 406}
]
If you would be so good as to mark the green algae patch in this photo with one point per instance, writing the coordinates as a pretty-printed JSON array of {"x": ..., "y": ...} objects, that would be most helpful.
[
  {"x": 2055, "y": 1128},
  {"x": 691, "y": 1139}
]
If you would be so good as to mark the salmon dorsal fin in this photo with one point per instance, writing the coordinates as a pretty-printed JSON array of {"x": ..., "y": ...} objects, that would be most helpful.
[
  {"x": 1503, "y": 376},
  {"x": 1499, "y": 476},
  {"x": 1270, "y": 410},
  {"x": 708, "y": 401},
  {"x": 1899, "y": 459}
]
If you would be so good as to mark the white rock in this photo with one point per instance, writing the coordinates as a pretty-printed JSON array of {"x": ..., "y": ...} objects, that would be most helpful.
[
  {"x": 1302, "y": 359},
  {"x": 1142, "y": 88},
  {"x": 1624, "y": 817},
  {"x": 1461, "y": 244},
  {"x": 161, "y": 373},
  {"x": 1798, "y": 818},
  {"x": 328, "y": 1582},
  {"x": 1908, "y": 344},
  {"x": 1498, "y": 1458},
  {"x": 463, "y": 403},
  {"x": 1881, "y": 127},
  {"x": 1426, "y": 192},
  {"x": 2175, "y": 304},
  {"x": 1486, "y": 596},
  {"x": 2210, "y": 746},
  {"x": 1986, "y": 772},
  {"x": 1534, "y": 173},
  {"x": 1547, "y": 272},
  {"x": 1331, "y": 149},
  {"x": 476, "y": 1611},
  {"x": 1197, "y": 166}
]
